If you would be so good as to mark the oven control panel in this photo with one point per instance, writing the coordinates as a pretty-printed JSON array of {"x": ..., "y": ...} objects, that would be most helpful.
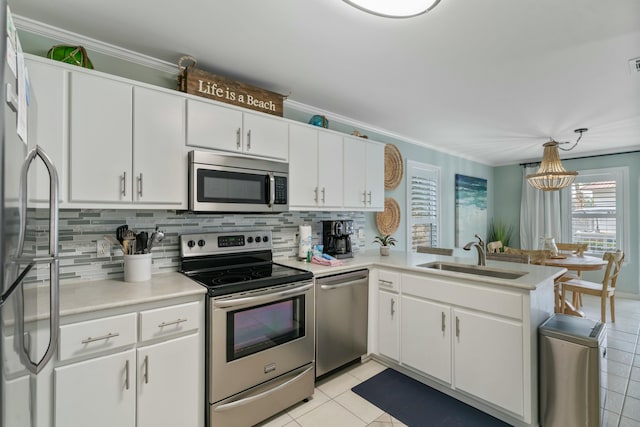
[{"x": 214, "y": 243}]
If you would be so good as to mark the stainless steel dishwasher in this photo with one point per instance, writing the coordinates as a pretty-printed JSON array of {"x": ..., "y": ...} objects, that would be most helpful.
[{"x": 342, "y": 302}]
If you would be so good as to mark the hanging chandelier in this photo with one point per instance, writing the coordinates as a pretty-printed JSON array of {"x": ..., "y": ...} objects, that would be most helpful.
[
  {"x": 396, "y": 8},
  {"x": 551, "y": 175}
]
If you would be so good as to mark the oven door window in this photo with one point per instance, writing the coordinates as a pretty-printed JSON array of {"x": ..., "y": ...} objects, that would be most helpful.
[
  {"x": 258, "y": 328},
  {"x": 232, "y": 187}
]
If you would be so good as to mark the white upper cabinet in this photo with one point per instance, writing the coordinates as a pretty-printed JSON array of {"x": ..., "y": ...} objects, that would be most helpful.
[
  {"x": 214, "y": 127},
  {"x": 315, "y": 168},
  {"x": 266, "y": 136},
  {"x": 159, "y": 155},
  {"x": 363, "y": 174},
  {"x": 100, "y": 138},
  {"x": 217, "y": 127},
  {"x": 47, "y": 118}
]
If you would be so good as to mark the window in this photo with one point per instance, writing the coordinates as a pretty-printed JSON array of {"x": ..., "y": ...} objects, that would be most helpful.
[
  {"x": 423, "y": 202},
  {"x": 596, "y": 205}
]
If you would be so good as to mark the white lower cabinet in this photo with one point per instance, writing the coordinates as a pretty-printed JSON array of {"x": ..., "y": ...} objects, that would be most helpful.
[
  {"x": 137, "y": 369},
  {"x": 99, "y": 392},
  {"x": 426, "y": 348},
  {"x": 488, "y": 360},
  {"x": 469, "y": 337},
  {"x": 168, "y": 383},
  {"x": 388, "y": 324}
]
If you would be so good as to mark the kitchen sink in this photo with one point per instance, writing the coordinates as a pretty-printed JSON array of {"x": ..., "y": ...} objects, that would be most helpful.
[{"x": 474, "y": 269}]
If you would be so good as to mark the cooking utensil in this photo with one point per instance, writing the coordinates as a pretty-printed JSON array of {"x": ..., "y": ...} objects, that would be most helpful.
[
  {"x": 141, "y": 242},
  {"x": 120, "y": 232},
  {"x": 129, "y": 242},
  {"x": 156, "y": 237}
]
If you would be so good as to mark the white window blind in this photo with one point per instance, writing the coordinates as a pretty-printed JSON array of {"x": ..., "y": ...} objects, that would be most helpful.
[
  {"x": 596, "y": 209},
  {"x": 423, "y": 203}
]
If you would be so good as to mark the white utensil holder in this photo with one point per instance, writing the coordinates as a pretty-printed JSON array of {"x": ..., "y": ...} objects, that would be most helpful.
[{"x": 137, "y": 268}]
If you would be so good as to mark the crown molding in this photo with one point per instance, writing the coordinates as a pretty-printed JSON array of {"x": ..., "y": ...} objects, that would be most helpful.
[
  {"x": 299, "y": 106},
  {"x": 64, "y": 36}
]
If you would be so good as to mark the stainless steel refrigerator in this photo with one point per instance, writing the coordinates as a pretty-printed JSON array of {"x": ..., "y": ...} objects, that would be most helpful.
[{"x": 29, "y": 306}]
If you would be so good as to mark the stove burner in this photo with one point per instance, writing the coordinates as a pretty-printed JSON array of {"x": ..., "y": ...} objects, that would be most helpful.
[{"x": 232, "y": 278}]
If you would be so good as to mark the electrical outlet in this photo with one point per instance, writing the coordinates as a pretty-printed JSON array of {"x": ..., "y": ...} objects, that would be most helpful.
[
  {"x": 360, "y": 233},
  {"x": 103, "y": 248}
]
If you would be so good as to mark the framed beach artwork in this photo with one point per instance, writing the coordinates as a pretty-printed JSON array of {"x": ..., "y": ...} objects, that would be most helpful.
[{"x": 471, "y": 208}]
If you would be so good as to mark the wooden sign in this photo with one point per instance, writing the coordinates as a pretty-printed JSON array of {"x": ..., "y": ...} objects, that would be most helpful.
[{"x": 198, "y": 82}]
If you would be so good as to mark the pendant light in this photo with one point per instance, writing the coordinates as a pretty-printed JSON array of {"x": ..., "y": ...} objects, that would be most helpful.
[
  {"x": 395, "y": 8},
  {"x": 551, "y": 175}
]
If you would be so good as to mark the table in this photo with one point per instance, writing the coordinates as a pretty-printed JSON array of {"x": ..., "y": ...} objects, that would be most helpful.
[{"x": 578, "y": 264}]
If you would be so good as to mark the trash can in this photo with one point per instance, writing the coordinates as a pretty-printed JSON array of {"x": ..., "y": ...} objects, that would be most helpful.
[{"x": 572, "y": 371}]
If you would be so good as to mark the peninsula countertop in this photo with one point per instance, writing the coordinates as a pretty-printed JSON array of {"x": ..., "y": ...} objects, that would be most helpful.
[{"x": 410, "y": 262}]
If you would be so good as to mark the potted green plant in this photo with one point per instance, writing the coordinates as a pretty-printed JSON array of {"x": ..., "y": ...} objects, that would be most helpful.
[
  {"x": 384, "y": 242},
  {"x": 500, "y": 231}
]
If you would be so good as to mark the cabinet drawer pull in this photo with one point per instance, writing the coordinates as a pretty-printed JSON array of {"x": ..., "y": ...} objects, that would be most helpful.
[
  {"x": 385, "y": 283},
  {"x": 146, "y": 369},
  {"x": 175, "y": 322},
  {"x": 104, "y": 337},
  {"x": 238, "y": 139},
  {"x": 126, "y": 374}
]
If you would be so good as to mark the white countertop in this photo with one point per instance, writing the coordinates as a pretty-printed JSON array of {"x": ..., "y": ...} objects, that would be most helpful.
[
  {"x": 536, "y": 274},
  {"x": 85, "y": 297}
]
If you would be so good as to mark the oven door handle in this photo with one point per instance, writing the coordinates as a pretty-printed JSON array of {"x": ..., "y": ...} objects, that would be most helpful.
[
  {"x": 246, "y": 401},
  {"x": 262, "y": 298}
]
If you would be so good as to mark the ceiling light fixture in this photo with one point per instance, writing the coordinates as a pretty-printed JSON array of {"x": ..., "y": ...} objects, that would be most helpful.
[
  {"x": 551, "y": 175},
  {"x": 396, "y": 8}
]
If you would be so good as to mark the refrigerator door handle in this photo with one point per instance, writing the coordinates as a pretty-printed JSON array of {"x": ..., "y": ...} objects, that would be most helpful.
[{"x": 52, "y": 260}]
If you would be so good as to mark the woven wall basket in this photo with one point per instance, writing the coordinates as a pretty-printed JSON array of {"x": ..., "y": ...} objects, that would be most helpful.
[
  {"x": 393, "y": 167},
  {"x": 388, "y": 221}
]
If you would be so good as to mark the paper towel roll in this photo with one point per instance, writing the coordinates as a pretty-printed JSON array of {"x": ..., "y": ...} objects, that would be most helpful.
[{"x": 304, "y": 246}]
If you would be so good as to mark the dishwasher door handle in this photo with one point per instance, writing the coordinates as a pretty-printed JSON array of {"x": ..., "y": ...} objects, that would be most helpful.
[
  {"x": 339, "y": 279},
  {"x": 340, "y": 285}
]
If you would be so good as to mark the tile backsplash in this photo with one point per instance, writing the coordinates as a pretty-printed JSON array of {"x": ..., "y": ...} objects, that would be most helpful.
[{"x": 81, "y": 228}]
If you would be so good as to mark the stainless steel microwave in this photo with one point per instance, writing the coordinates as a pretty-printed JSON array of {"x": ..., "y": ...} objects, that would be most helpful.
[{"x": 221, "y": 183}]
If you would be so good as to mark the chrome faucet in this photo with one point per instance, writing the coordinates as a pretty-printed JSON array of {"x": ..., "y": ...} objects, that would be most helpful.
[{"x": 482, "y": 257}]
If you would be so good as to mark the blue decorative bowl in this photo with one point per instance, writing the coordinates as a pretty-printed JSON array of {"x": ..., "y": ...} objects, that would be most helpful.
[{"x": 318, "y": 120}]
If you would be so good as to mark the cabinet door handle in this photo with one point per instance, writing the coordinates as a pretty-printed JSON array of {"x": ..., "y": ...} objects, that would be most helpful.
[
  {"x": 323, "y": 195},
  {"x": 146, "y": 369},
  {"x": 238, "y": 144},
  {"x": 175, "y": 322},
  {"x": 364, "y": 198},
  {"x": 393, "y": 307},
  {"x": 249, "y": 140},
  {"x": 316, "y": 198},
  {"x": 369, "y": 193},
  {"x": 124, "y": 184},
  {"x": 457, "y": 327},
  {"x": 103, "y": 337},
  {"x": 140, "y": 185},
  {"x": 444, "y": 319},
  {"x": 126, "y": 374}
]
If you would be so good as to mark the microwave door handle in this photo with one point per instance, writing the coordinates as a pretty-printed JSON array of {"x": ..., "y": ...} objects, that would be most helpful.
[
  {"x": 52, "y": 259},
  {"x": 272, "y": 190}
]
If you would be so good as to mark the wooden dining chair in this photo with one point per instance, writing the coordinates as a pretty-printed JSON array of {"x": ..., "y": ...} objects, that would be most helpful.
[
  {"x": 572, "y": 249},
  {"x": 606, "y": 289},
  {"x": 536, "y": 256},
  {"x": 435, "y": 251},
  {"x": 501, "y": 256},
  {"x": 493, "y": 247}
]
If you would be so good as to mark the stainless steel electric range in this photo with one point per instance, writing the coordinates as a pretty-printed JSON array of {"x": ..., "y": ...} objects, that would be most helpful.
[{"x": 259, "y": 326}]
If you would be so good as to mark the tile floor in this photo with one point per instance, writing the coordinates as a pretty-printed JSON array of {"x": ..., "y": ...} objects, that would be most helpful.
[{"x": 335, "y": 405}]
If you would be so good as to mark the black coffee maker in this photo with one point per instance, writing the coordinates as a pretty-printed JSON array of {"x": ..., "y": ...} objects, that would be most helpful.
[{"x": 336, "y": 238}]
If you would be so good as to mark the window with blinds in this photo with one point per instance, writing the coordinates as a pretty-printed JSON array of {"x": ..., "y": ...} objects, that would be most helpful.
[
  {"x": 423, "y": 204},
  {"x": 596, "y": 199}
]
